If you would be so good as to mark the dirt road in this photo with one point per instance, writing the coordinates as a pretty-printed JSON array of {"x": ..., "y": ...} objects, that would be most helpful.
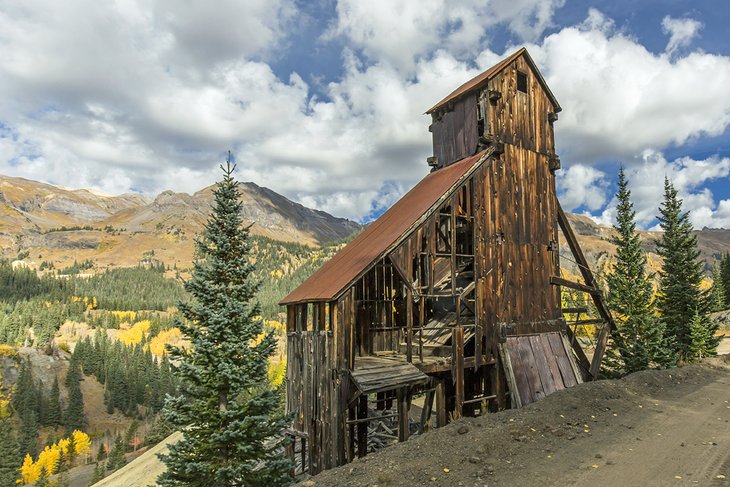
[{"x": 654, "y": 428}]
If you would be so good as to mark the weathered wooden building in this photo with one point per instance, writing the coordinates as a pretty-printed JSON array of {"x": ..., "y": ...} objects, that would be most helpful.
[{"x": 453, "y": 293}]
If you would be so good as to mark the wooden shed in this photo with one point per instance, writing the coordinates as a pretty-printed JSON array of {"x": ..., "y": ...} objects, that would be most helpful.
[{"x": 453, "y": 294}]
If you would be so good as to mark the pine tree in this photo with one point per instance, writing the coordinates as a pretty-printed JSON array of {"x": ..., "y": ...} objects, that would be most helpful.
[
  {"x": 680, "y": 296},
  {"x": 717, "y": 292},
  {"x": 101, "y": 453},
  {"x": 231, "y": 432},
  {"x": 10, "y": 457},
  {"x": 98, "y": 473},
  {"x": 53, "y": 410},
  {"x": 74, "y": 417},
  {"x": 725, "y": 277},
  {"x": 116, "y": 456},
  {"x": 638, "y": 342},
  {"x": 25, "y": 402},
  {"x": 44, "y": 479},
  {"x": 703, "y": 342}
]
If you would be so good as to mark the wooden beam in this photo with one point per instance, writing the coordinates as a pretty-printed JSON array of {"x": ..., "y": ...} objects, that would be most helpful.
[
  {"x": 403, "y": 428},
  {"x": 597, "y": 298},
  {"x": 362, "y": 428},
  {"x": 574, "y": 310},
  {"x": 441, "y": 413},
  {"x": 409, "y": 325},
  {"x": 559, "y": 281},
  {"x": 458, "y": 359},
  {"x": 427, "y": 408},
  {"x": 583, "y": 362}
]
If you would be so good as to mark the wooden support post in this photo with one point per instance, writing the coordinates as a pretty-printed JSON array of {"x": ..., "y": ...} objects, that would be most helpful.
[
  {"x": 351, "y": 436},
  {"x": 427, "y": 408},
  {"x": 409, "y": 325},
  {"x": 597, "y": 297},
  {"x": 459, "y": 377},
  {"x": 403, "y": 429},
  {"x": 362, "y": 428},
  {"x": 441, "y": 412},
  {"x": 304, "y": 454}
]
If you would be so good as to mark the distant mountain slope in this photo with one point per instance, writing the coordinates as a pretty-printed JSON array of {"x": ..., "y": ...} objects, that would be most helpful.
[
  {"x": 60, "y": 225},
  {"x": 122, "y": 230}
]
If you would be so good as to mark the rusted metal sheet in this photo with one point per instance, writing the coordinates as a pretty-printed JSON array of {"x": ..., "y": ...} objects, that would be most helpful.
[{"x": 360, "y": 254}]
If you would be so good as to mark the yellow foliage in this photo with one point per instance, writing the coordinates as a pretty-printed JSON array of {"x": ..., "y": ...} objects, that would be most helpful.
[
  {"x": 170, "y": 336},
  {"x": 82, "y": 443},
  {"x": 125, "y": 315},
  {"x": 29, "y": 471},
  {"x": 277, "y": 373},
  {"x": 277, "y": 326},
  {"x": 50, "y": 456},
  {"x": 135, "y": 334},
  {"x": 8, "y": 351}
]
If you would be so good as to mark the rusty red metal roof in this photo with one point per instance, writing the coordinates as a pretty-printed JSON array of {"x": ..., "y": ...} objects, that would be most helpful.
[
  {"x": 482, "y": 79},
  {"x": 372, "y": 243}
]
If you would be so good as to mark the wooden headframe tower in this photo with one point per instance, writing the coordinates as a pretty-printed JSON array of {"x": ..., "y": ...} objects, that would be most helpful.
[{"x": 449, "y": 304}]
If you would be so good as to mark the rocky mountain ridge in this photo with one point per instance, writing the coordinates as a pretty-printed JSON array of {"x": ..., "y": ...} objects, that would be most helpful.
[{"x": 59, "y": 225}]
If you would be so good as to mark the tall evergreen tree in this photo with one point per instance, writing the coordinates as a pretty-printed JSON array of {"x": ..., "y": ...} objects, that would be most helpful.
[
  {"x": 231, "y": 432},
  {"x": 53, "y": 410},
  {"x": 25, "y": 402},
  {"x": 680, "y": 296},
  {"x": 725, "y": 276},
  {"x": 10, "y": 457},
  {"x": 74, "y": 417},
  {"x": 717, "y": 292},
  {"x": 116, "y": 456},
  {"x": 638, "y": 342}
]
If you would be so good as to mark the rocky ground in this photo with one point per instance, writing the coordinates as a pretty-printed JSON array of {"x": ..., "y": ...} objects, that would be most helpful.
[{"x": 653, "y": 428}]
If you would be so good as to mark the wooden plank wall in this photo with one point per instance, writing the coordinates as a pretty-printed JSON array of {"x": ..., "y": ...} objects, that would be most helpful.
[
  {"x": 517, "y": 118},
  {"x": 455, "y": 131},
  {"x": 314, "y": 392}
]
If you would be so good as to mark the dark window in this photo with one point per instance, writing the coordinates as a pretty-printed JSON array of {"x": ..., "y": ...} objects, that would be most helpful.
[{"x": 521, "y": 82}]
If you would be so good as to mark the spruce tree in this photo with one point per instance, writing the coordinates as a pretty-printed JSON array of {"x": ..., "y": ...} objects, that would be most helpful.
[
  {"x": 725, "y": 277},
  {"x": 116, "y": 456},
  {"x": 25, "y": 402},
  {"x": 74, "y": 417},
  {"x": 717, "y": 292},
  {"x": 703, "y": 342},
  {"x": 232, "y": 435},
  {"x": 101, "y": 453},
  {"x": 638, "y": 342},
  {"x": 98, "y": 473},
  {"x": 53, "y": 410},
  {"x": 10, "y": 457},
  {"x": 680, "y": 296}
]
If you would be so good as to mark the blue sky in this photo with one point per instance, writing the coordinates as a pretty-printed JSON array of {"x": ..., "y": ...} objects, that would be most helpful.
[{"x": 323, "y": 100}]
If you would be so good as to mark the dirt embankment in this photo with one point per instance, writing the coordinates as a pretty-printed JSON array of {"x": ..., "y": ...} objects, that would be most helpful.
[{"x": 653, "y": 428}]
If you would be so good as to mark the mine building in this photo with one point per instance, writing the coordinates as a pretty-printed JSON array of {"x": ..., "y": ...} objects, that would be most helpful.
[{"x": 448, "y": 304}]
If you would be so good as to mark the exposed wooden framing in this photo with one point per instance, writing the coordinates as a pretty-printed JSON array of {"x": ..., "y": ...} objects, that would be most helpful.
[
  {"x": 441, "y": 413},
  {"x": 597, "y": 297},
  {"x": 362, "y": 426},
  {"x": 559, "y": 281},
  {"x": 427, "y": 315},
  {"x": 403, "y": 409}
]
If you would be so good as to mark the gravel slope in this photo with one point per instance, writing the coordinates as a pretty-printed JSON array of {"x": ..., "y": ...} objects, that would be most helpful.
[{"x": 653, "y": 428}]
